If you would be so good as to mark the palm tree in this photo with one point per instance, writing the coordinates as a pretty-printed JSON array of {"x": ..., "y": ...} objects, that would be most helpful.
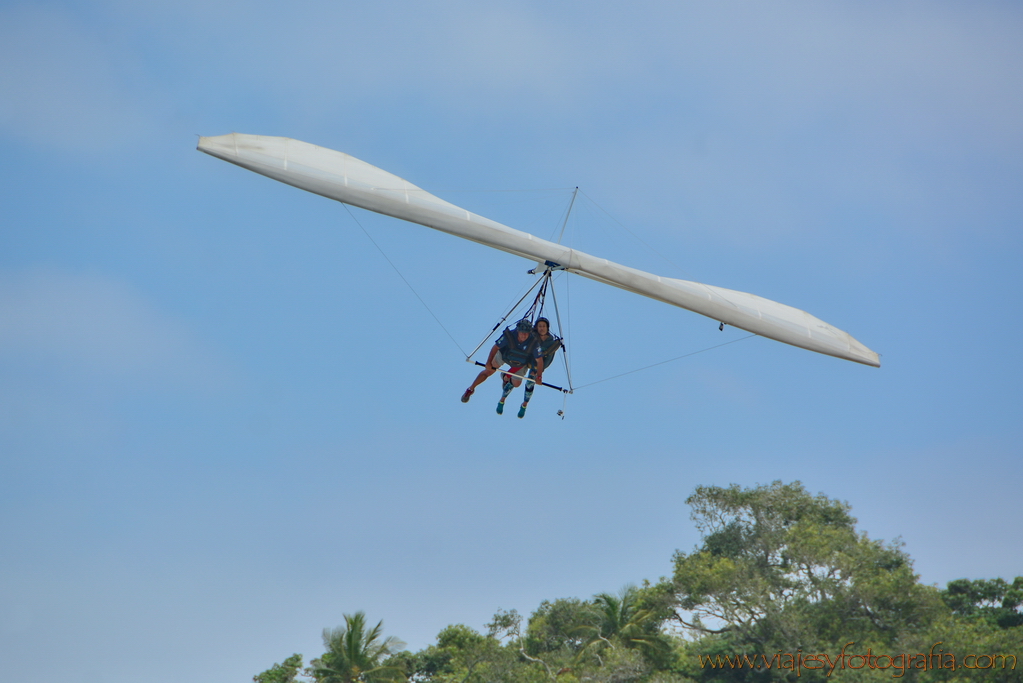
[
  {"x": 618, "y": 620},
  {"x": 356, "y": 653}
]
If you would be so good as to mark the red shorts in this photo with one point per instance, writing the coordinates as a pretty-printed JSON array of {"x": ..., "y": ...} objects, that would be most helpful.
[{"x": 519, "y": 371}]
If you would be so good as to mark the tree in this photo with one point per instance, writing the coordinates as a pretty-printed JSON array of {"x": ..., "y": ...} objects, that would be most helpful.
[
  {"x": 284, "y": 672},
  {"x": 781, "y": 569},
  {"x": 620, "y": 620},
  {"x": 778, "y": 571},
  {"x": 555, "y": 626},
  {"x": 994, "y": 601},
  {"x": 462, "y": 655},
  {"x": 357, "y": 653}
]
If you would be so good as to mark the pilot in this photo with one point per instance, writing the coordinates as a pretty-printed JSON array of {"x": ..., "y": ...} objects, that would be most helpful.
[{"x": 518, "y": 348}]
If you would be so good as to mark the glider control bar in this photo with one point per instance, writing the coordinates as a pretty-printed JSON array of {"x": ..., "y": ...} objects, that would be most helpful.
[{"x": 511, "y": 374}]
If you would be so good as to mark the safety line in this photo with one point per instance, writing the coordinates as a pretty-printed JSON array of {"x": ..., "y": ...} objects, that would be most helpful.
[
  {"x": 709, "y": 348},
  {"x": 403, "y": 278}
]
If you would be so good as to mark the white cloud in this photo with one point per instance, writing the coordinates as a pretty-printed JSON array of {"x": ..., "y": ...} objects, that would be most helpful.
[{"x": 87, "y": 324}]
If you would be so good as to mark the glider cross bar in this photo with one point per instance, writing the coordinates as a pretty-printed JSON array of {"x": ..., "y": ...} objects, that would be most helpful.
[{"x": 511, "y": 374}]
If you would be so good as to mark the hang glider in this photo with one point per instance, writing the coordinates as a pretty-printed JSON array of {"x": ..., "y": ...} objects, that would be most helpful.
[{"x": 346, "y": 179}]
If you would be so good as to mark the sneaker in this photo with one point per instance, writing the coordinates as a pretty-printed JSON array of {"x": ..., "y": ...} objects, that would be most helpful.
[
  {"x": 522, "y": 411},
  {"x": 500, "y": 408},
  {"x": 466, "y": 395}
]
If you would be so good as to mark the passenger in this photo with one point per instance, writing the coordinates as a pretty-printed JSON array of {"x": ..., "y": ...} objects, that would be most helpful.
[
  {"x": 517, "y": 348},
  {"x": 547, "y": 346}
]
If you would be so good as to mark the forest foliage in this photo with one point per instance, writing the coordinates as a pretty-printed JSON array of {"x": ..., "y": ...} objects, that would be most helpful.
[{"x": 782, "y": 587}]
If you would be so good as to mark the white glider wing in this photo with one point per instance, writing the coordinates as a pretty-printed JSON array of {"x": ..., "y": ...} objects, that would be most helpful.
[{"x": 339, "y": 176}]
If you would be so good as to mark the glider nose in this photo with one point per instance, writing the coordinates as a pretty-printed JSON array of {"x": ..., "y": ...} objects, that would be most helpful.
[{"x": 220, "y": 146}]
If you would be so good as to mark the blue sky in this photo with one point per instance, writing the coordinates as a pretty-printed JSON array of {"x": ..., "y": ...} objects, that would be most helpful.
[{"x": 225, "y": 421}]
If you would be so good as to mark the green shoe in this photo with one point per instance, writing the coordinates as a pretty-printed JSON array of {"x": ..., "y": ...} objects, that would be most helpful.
[
  {"x": 522, "y": 411},
  {"x": 500, "y": 408}
]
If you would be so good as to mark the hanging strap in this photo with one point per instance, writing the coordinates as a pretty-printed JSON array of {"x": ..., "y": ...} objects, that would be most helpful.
[
  {"x": 501, "y": 321},
  {"x": 532, "y": 313}
]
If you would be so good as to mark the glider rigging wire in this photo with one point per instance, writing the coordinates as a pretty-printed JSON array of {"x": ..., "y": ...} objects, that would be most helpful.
[
  {"x": 639, "y": 239},
  {"x": 670, "y": 360},
  {"x": 366, "y": 232},
  {"x": 564, "y": 355}
]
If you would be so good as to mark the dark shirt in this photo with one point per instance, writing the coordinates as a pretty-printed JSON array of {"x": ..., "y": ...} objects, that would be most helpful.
[{"x": 526, "y": 349}]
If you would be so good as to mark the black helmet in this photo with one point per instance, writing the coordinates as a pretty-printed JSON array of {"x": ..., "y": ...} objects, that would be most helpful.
[
  {"x": 524, "y": 326},
  {"x": 543, "y": 320}
]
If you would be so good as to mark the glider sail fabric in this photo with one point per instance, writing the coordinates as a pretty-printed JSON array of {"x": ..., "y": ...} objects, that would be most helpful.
[{"x": 339, "y": 176}]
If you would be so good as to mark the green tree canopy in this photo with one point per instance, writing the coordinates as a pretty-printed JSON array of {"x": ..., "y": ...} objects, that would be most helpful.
[
  {"x": 285, "y": 672},
  {"x": 994, "y": 601},
  {"x": 621, "y": 620},
  {"x": 782, "y": 568},
  {"x": 461, "y": 655},
  {"x": 555, "y": 626},
  {"x": 356, "y": 652}
]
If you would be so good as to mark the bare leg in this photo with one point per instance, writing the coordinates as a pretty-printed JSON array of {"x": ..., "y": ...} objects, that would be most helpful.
[
  {"x": 490, "y": 368},
  {"x": 480, "y": 378}
]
